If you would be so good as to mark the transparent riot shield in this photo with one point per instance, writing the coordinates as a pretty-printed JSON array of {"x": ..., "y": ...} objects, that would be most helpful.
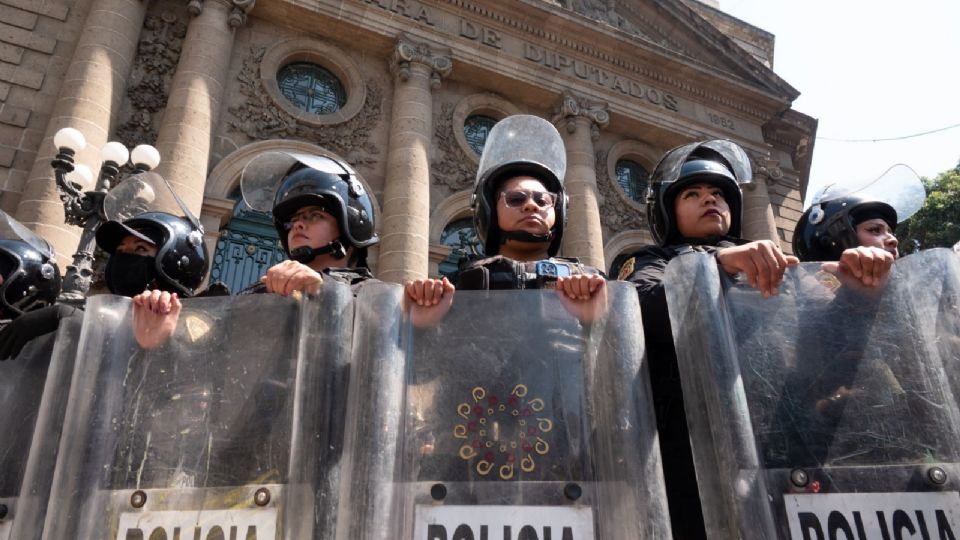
[
  {"x": 509, "y": 419},
  {"x": 828, "y": 409},
  {"x": 222, "y": 432},
  {"x": 33, "y": 398}
]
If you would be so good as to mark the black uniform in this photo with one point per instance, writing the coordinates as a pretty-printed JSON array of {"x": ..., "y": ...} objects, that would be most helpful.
[
  {"x": 501, "y": 273},
  {"x": 645, "y": 269}
]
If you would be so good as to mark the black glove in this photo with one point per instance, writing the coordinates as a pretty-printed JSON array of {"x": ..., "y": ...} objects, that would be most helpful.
[{"x": 31, "y": 325}]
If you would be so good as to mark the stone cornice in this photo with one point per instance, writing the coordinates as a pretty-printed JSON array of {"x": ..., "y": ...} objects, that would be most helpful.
[
  {"x": 527, "y": 16},
  {"x": 408, "y": 50},
  {"x": 559, "y": 31},
  {"x": 725, "y": 47}
]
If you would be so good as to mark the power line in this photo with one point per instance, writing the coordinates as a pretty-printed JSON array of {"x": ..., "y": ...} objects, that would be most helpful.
[{"x": 890, "y": 138}]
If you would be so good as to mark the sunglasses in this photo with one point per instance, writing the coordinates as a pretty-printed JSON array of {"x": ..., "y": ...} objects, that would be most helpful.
[{"x": 515, "y": 198}]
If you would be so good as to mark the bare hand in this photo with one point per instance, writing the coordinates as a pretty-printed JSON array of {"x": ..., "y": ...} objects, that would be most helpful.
[
  {"x": 155, "y": 316},
  {"x": 838, "y": 398},
  {"x": 289, "y": 276},
  {"x": 762, "y": 262},
  {"x": 428, "y": 300},
  {"x": 584, "y": 296},
  {"x": 869, "y": 266}
]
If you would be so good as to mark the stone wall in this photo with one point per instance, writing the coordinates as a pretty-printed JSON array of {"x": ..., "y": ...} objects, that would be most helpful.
[{"x": 37, "y": 38}]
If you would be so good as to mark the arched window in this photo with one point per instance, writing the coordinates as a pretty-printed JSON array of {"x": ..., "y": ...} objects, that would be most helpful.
[
  {"x": 462, "y": 237},
  {"x": 475, "y": 129},
  {"x": 247, "y": 247},
  {"x": 632, "y": 177},
  {"x": 311, "y": 88}
]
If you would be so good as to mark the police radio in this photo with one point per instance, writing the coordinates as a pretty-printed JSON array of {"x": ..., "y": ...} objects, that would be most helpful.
[{"x": 545, "y": 274}]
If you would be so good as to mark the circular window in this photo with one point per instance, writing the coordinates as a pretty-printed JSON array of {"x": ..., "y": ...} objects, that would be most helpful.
[
  {"x": 311, "y": 88},
  {"x": 462, "y": 237},
  {"x": 632, "y": 177},
  {"x": 475, "y": 130}
]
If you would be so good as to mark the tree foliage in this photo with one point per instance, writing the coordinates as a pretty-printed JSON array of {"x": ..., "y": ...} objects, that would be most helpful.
[{"x": 937, "y": 224}]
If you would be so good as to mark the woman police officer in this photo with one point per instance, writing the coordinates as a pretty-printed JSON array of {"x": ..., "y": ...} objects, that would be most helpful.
[
  {"x": 694, "y": 204},
  {"x": 519, "y": 212},
  {"x": 853, "y": 226}
]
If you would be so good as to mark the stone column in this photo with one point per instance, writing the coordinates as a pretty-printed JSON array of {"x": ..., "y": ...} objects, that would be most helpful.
[
  {"x": 404, "y": 245},
  {"x": 215, "y": 215},
  {"x": 579, "y": 121},
  {"x": 185, "y": 136},
  {"x": 89, "y": 100},
  {"x": 758, "y": 220}
]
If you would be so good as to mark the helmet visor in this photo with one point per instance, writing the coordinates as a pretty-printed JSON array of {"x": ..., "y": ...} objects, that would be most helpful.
[
  {"x": 669, "y": 168},
  {"x": 900, "y": 187},
  {"x": 262, "y": 176},
  {"x": 11, "y": 229},
  {"x": 523, "y": 140},
  {"x": 135, "y": 195}
]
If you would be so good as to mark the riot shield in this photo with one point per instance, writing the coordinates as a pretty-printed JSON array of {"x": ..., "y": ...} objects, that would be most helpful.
[
  {"x": 33, "y": 398},
  {"x": 829, "y": 408},
  {"x": 219, "y": 433},
  {"x": 508, "y": 418}
]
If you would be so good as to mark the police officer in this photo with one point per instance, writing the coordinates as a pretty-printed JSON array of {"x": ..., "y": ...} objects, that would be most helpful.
[
  {"x": 29, "y": 278},
  {"x": 851, "y": 227},
  {"x": 155, "y": 258},
  {"x": 855, "y": 227},
  {"x": 29, "y": 283},
  {"x": 323, "y": 215},
  {"x": 694, "y": 204},
  {"x": 519, "y": 212}
]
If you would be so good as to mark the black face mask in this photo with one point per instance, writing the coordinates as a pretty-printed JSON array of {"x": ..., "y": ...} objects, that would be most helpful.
[{"x": 130, "y": 275}]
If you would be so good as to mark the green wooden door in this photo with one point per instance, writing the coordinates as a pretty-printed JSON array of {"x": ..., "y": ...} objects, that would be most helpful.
[{"x": 247, "y": 247}]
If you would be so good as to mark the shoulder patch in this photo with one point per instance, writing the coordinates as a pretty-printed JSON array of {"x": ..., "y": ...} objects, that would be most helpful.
[{"x": 627, "y": 268}]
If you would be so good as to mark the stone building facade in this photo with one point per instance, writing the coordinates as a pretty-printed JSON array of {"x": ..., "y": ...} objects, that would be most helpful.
[{"x": 202, "y": 81}]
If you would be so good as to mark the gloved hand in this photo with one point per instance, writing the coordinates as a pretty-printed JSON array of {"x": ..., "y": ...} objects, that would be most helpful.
[{"x": 31, "y": 325}]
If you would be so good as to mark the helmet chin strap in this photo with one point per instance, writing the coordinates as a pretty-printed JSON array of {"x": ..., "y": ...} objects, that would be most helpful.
[
  {"x": 524, "y": 236},
  {"x": 306, "y": 254}
]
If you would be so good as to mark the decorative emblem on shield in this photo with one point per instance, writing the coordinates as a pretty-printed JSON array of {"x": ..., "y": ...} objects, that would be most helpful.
[{"x": 502, "y": 434}]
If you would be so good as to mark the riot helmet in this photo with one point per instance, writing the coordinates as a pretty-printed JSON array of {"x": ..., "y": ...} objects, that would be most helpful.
[
  {"x": 283, "y": 183},
  {"x": 31, "y": 279},
  {"x": 718, "y": 162},
  {"x": 519, "y": 145},
  {"x": 829, "y": 225},
  {"x": 181, "y": 262}
]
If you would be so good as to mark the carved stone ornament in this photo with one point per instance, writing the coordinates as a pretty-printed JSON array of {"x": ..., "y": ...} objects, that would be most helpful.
[
  {"x": 157, "y": 55},
  {"x": 603, "y": 11},
  {"x": 454, "y": 168},
  {"x": 407, "y": 51},
  {"x": 595, "y": 9},
  {"x": 766, "y": 167},
  {"x": 616, "y": 212},
  {"x": 571, "y": 106},
  {"x": 260, "y": 118},
  {"x": 195, "y": 7},
  {"x": 238, "y": 10},
  {"x": 238, "y": 13}
]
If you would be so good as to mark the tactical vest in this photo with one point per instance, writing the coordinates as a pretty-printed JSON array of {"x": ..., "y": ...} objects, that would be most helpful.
[{"x": 502, "y": 273}]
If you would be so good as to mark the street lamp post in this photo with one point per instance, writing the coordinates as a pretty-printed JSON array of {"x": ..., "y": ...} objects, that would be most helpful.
[{"x": 82, "y": 205}]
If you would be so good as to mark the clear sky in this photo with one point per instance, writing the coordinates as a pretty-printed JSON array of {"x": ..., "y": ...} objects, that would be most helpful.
[{"x": 868, "y": 69}]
